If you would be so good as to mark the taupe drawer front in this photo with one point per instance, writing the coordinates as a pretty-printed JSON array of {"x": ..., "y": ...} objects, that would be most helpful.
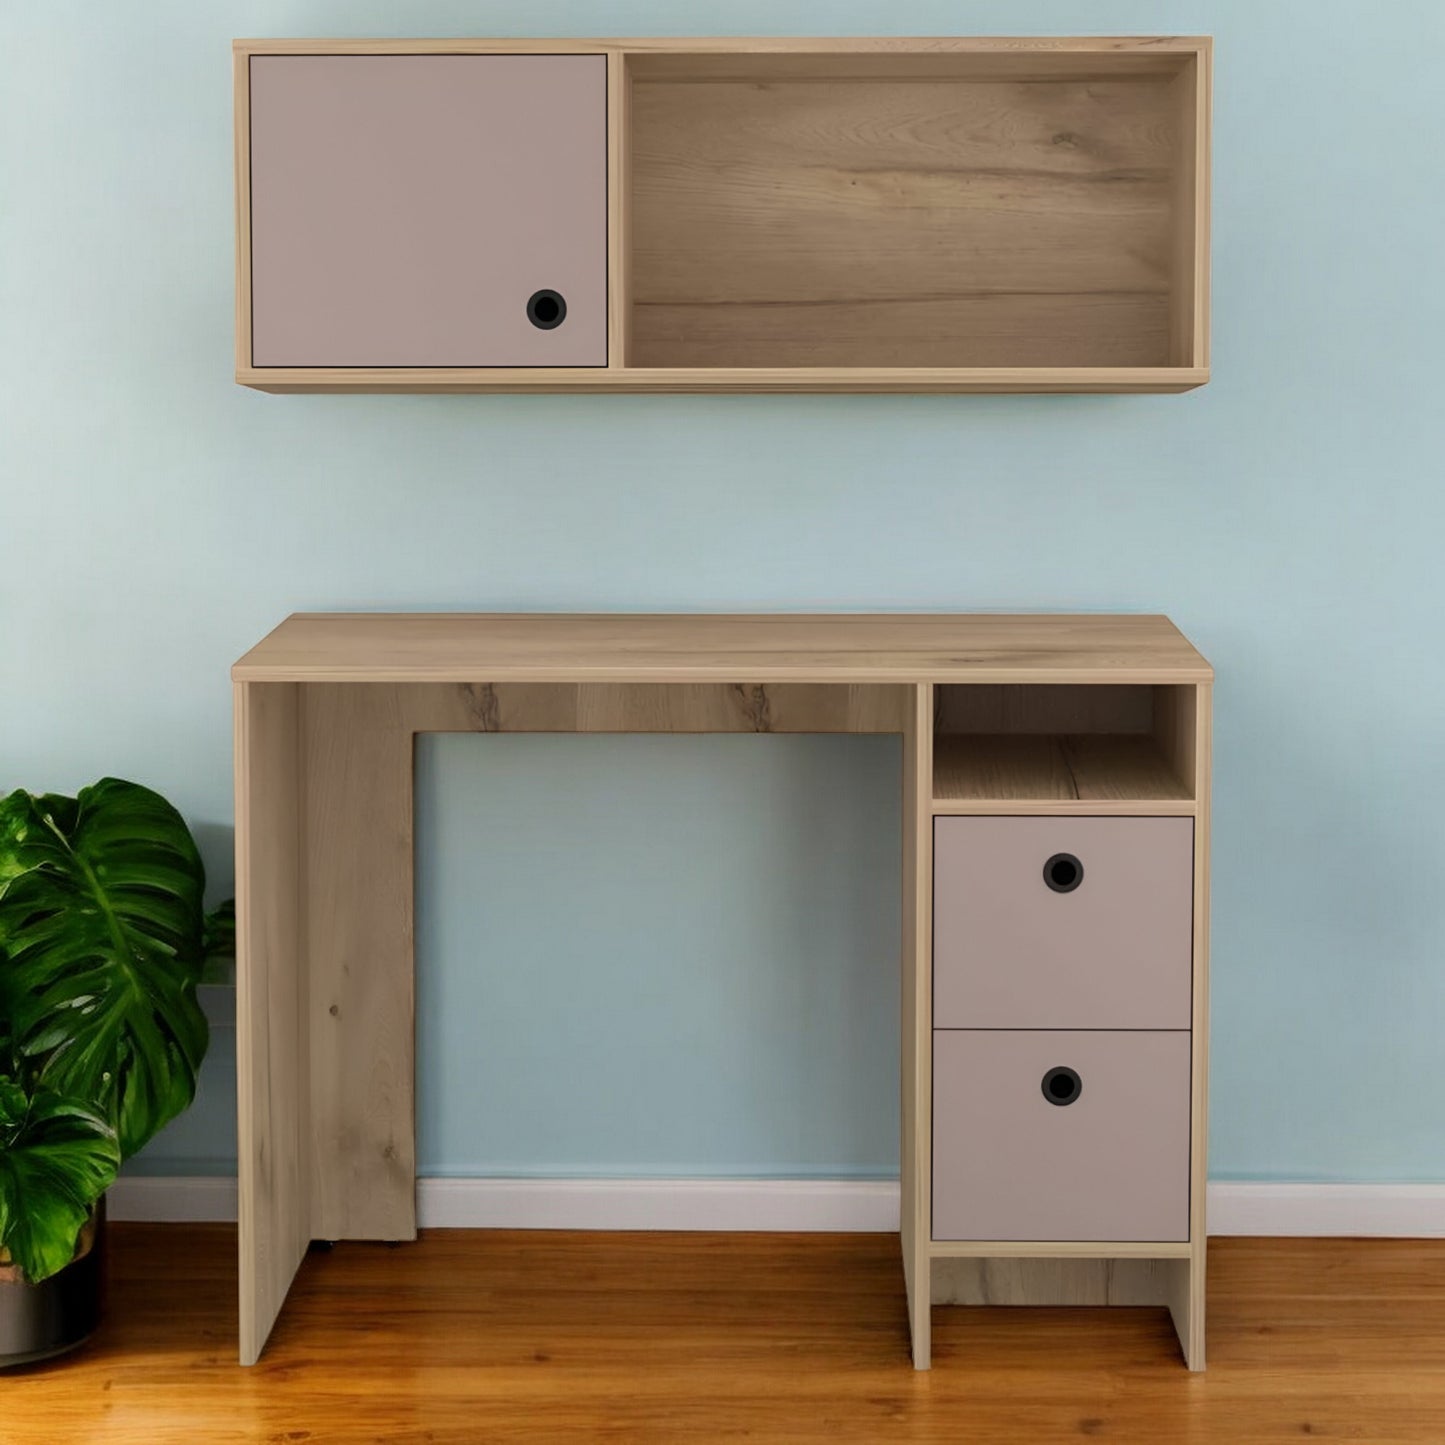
[
  {"x": 1009, "y": 1163},
  {"x": 1112, "y": 950},
  {"x": 406, "y": 208}
]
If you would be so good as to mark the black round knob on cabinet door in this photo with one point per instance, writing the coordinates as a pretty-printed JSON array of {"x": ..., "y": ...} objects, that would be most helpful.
[
  {"x": 1063, "y": 872},
  {"x": 1061, "y": 1086},
  {"x": 546, "y": 310}
]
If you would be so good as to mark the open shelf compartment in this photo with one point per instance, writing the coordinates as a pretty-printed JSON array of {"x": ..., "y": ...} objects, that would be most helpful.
[
  {"x": 952, "y": 210},
  {"x": 1062, "y": 744}
]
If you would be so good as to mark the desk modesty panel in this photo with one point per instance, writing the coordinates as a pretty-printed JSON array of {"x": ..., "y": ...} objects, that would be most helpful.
[{"x": 1056, "y": 767}]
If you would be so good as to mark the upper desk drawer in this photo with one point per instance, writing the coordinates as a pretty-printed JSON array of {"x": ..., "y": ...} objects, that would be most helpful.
[
  {"x": 1102, "y": 939},
  {"x": 428, "y": 210}
]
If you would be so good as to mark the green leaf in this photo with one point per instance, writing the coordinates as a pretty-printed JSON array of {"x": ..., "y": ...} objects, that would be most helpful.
[
  {"x": 56, "y": 1159},
  {"x": 100, "y": 916},
  {"x": 219, "y": 943},
  {"x": 14, "y": 1106}
]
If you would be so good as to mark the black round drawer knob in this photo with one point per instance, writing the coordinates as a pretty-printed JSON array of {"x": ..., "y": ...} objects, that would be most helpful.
[
  {"x": 1061, "y": 1086},
  {"x": 1063, "y": 872},
  {"x": 546, "y": 310}
]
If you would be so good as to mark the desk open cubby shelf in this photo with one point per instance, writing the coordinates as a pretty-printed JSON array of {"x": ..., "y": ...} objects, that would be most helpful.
[
  {"x": 946, "y": 214},
  {"x": 1060, "y": 749}
]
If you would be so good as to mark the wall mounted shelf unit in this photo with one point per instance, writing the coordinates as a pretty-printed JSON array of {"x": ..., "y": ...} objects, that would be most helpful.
[{"x": 910, "y": 215}]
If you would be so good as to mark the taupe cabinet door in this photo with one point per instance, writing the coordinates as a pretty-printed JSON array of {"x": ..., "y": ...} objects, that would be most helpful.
[{"x": 406, "y": 208}]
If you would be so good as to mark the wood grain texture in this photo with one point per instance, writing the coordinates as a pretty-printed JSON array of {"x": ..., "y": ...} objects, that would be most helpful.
[
  {"x": 241, "y": 90},
  {"x": 1012, "y": 767},
  {"x": 619, "y": 205},
  {"x": 1160, "y": 54},
  {"x": 1174, "y": 727},
  {"x": 552, "y": 707},
  {"x": 1060, "y": 1281},
  {"x": 1189, "y": 290},
  {"x": 916, "y": 1051},
  {"x": 1186, "y": 1310},
  {"x": 1032, "y": 708},
  {"x": 662, "y": 381},
  {"x": 1188, "y": 1302},
  {"x": 1124, "y": 748},
  {"x": 1090, "y": 1249},
  {"x": 273, "y": 1120},
  {"x": 944, "y": 330},
  {"x": 795, "y": 648},
  {"x": 953, "y": 58},
  {"x": 359, "y": 961},
  {"x": 881, "y": 223},
  {"x": 467, "y": 1337}
]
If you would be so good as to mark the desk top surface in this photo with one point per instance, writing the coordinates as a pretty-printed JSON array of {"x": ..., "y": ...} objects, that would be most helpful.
[{"x": 897, "y": 647}]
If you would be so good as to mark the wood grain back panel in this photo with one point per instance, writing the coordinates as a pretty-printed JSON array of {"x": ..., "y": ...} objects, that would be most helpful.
[
  {"x": 1021, "y": 708},
  {"x": 883, "y": 222},
  {"x": 1053, "y": 1283}
]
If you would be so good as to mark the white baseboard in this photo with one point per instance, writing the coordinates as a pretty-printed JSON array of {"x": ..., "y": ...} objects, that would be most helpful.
[
  {"x": 177, "y": 1199},
  {"x": 823, "y": 1205},
  {"x": 819, "y": 1205},
  {"x": 1407, "y": 1211},
  {"x": 1401, "y": 1211}
]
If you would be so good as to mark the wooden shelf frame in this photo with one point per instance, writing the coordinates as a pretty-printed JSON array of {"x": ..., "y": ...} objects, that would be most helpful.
[
  {"x": 659, "y": 222},
  {"x": 1088, "y": 749},
  {"x": 1069, "y": 773},
  {"x": 327, "y": 709},
  {"x": 1057, "y": 1249}
]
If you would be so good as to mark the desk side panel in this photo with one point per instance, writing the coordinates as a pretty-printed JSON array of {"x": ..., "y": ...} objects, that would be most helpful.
[
  {"x": 272, "y": 1087},
  {"x": 1187, "y": 736},
  {"x": 1189, "y": 1313},
  {"x": 916, "y": 1086}
]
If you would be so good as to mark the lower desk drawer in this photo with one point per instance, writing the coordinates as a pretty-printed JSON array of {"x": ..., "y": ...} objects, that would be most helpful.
[{"x": 1061, "y": 1135}]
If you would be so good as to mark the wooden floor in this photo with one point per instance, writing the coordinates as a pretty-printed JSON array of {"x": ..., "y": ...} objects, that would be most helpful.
[{"x": 472, "y": 1336}]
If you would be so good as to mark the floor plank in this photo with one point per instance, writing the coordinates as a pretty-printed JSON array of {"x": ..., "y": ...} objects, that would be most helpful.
[{"x": 542, "y": 1336}]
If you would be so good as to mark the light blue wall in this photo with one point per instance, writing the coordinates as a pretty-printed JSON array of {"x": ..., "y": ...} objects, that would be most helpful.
[
  {"x": 156, "y": 520},
  {"x": 676, "y": 955}
]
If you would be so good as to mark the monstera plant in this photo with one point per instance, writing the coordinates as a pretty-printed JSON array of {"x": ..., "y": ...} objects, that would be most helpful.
[{"x": 102, "y": 943}]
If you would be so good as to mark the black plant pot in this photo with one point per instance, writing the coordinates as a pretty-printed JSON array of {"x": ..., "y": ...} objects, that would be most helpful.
[{"x": 49, "y": 1318}]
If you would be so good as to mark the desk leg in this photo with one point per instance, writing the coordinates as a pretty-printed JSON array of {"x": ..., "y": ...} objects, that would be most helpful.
[
  {"x": 1190, "y": 1312},
  {"x": 916, "y": 1086},
  {"x": 358, "y": 744},
  {"x": 271, "y": 1037}
]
